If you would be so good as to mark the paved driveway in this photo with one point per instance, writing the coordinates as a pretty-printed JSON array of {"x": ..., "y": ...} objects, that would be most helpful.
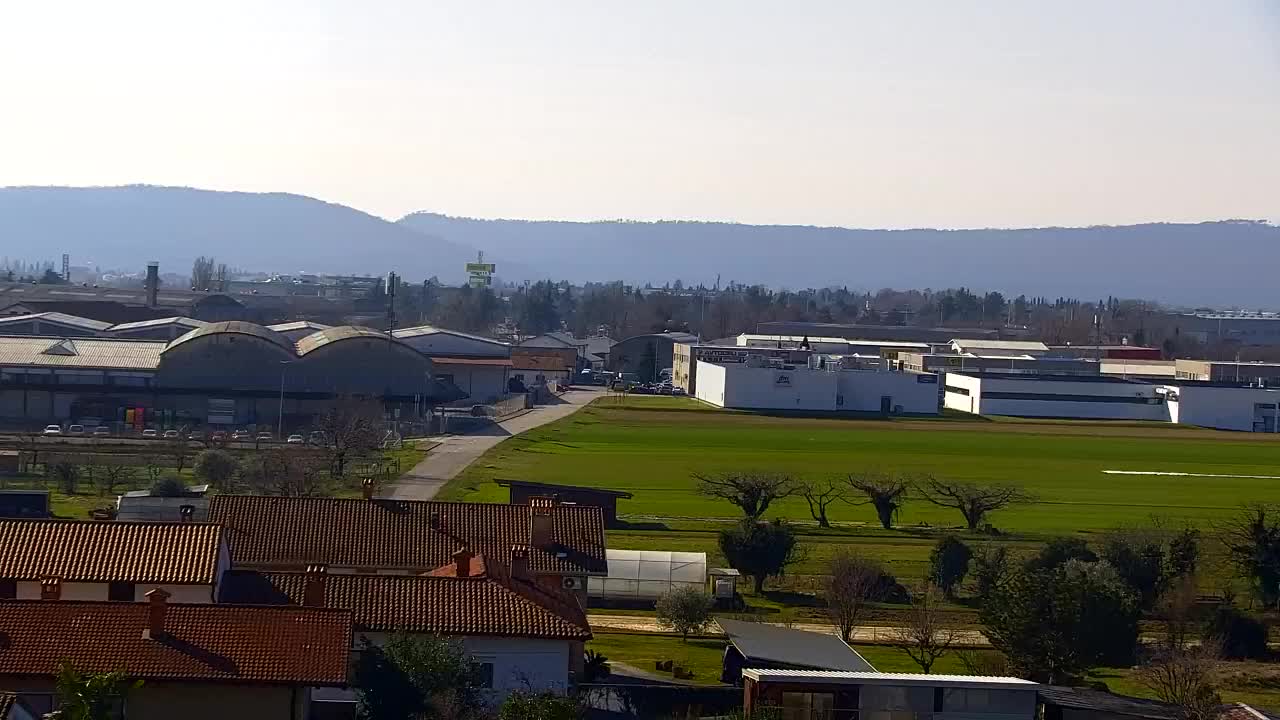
[{"x": 456, "y": 452}]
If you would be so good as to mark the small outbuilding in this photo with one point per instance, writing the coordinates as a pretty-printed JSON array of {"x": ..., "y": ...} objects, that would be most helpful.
[
  {"x": 762, "y": 646},
  {"x": 522, "y": 491}
]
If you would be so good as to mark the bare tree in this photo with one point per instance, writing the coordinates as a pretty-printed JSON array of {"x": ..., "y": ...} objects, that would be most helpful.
[
  {"x": 113, "y": 475},
  {"x": 154, "y": 463},
  {"x": 751, "y": 491},
  {"x": 67, "y": 474},
  {"x": 1185, "y": 677},
  {"x": 853, "y": 583},
  {"x": 279, "y": 472},
  {"x": 1176, "y": 607},
  {"x": 887, "y": 494},
  {"x": 988, "y": 663},
  {"x": 923, "y": 637},
  {"x": 973, "y": 501},
  {"x": 351, "y": 427},
  {"x": 820, "y": 494},
  {"x": 202, "y": 273},
  {"x": 178, "y": 452}
]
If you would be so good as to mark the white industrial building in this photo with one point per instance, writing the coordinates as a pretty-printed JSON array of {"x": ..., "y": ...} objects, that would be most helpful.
[
  {"x": 830, "y": 388},
  {"x": 1065, "y": 396},
  {"x": 1249, "y": 409}
]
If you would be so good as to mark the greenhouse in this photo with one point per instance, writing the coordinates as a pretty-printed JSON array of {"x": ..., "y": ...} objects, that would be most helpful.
[{"x": 648, "y": 574}]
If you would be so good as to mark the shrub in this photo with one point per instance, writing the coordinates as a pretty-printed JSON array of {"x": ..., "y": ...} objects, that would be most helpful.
[{"x": 1242, "y": 637}]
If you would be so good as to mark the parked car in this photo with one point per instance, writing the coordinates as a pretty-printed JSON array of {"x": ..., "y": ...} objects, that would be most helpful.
[
  {"x": 171, "y": 435},
  {"x": 317, "y": 438},
  {"x": 295, "y": 439},
  {"x": 218, "y": 436},
  {"x": 52, "y": 430},
  {"x": 264, "y": 437},
  {"x": 75, "y": 429},
  {"x": 102, "y": 431},
  {"x": 196, "y": 435},
  {"x": 241, "y": 435},
  {"x": 150, "y": 434},
  {"x": 678, "y": 391}
]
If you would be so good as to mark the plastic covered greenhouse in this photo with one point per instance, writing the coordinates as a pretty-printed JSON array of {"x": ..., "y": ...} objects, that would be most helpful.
[{"x": 648, "y": 574}]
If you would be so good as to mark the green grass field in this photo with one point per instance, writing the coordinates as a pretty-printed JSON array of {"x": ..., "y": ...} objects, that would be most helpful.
[{"x": 652, "y": 446}]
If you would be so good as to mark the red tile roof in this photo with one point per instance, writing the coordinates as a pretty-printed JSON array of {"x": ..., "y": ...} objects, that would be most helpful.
[
  {"x": 93, "y": 551},
  {"x": 486, "y": 605},
  {"x": 290, "y": 533},
  {"x": 248, "y": 644},
  {"x": 7, "y": 702}
]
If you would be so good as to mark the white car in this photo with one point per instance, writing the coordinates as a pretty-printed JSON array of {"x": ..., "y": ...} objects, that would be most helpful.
[
  {"x": 295, "y": 439},
  {"x": 75, "y": 429},
  {"x": 52, "y": 430},
  {"x": 150, "y": 433}
]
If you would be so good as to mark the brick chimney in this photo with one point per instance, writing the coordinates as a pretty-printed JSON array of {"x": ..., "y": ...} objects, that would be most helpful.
[
  {"x": 158, "y": 606},
  {"x": 50, "y": 588},
  {"x": 541, "y": 522},
  {"x": 313, "y": 592},
  {"x": 462, "y": 562},
  {"x": 153, "y": 284},
  {"x": 366, "y": 488},
  {"x": 187, "y": 513},
  {"x": 520, "y": 562}
]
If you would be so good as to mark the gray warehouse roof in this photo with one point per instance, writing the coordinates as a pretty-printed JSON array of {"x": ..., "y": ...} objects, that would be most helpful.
[
  {"x": 58, "y": 318},
  {"x": 317, "y": 340},
  {"x": 758, "y": 641},
  {"x": 159, "y": 322},
  {"x": 237, "y": 327},
  {"x": 95, "y": 353}
]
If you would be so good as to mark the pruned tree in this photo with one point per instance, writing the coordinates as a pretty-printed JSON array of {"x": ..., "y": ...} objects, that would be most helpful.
[
  {"x": 885, "y": 493},
  {"x": 112, "y": 476},
  {"x": 1186, "y": 677},
  {"x": 853, "y": 583},
  {"x": 90, "y": 467},
  {"x": 154, "y": 464},
  {"x": 686, "y": 610},
  {"x": 67, "y": 474},
  {"x": 948, "y": 564},
  {"x": 760, "y": 550},
  {"x": 1252, "y": 540},
  {"x": 178, "y": 453},
  {"x": 351, "y": 427},
  {"x": 974, "y": 502},
  {"x": 923, "y": 636},
  {"x": 821, "y": 494},
  {"x": 280, "y": 472},
  {"x": 752, "y": 491}
]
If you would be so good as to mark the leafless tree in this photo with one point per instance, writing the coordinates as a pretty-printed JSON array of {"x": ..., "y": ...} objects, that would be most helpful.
[
  {"x": 988, "y": 663},
  {"x": 67, "y": 474},
  {"x": 887, "y": 494},
  {"x": 751, "y": 491},
  {"x": 1176, "y": 608},
  {"x": 973, "y": 501},
  {"x": 154, "y": 464},
  {"x": 821, "y": 494},
  {"x": 202, "y": 273},
  {"x": 113, "y": 475},
  {"x": 351, "y": 427},
  {"x": 90, "y": 467},
  {"x": 1185, "y": 677},
  {"x": 178, "y": 452},
  {"x": 853, "y": 583},
  {"x": 279, "y": 472},
  {"x": 923, "y": 636}
]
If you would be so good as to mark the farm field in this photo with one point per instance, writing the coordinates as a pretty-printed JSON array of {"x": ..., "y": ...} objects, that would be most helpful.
[{"x": 652, "y": 446}]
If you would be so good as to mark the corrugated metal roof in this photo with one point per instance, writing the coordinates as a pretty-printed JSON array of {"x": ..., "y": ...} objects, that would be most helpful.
[
  {"x": 159, "y": 322},
  {"x": 317, "y": 340},
  {"x": 59, "y": 318},
  {"x": 772, "y": 644},
  {"x": 89, "y": 353},
  {"x": 1001, "y": 345},
  {"x": 237, "y": 327},
  {"x": 422, "y": 330},
  {"x": 878, "y": 678},
  {"x": 298, "y": 325}
]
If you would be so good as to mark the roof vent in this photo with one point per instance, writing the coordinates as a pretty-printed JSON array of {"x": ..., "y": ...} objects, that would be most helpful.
[{"x": 62, "y": 347}]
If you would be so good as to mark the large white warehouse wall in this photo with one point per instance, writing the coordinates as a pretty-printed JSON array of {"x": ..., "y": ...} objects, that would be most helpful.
[
  {"x": 1032, "y": 397},
  {"x": 765, "y": 388},
  {"x": 710, "y": 386},
  {"x": 863, "y": 391},
  {"x": 1224, "y": 408}
]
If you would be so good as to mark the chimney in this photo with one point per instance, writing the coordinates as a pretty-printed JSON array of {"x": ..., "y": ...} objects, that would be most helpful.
[
  {"x": 366, "y": 488},
  {"x": 158, "y": 605},
  {"x": 462, "y": 562},
  {"x": 153, "y": 283},
  {"x": 50, "y": 588},
  {"x": 186, "y": 513},
  {"x": 313, "y": 593},
  {"x": 541, "y": 521},
  {"x": 520, "y": 562}
]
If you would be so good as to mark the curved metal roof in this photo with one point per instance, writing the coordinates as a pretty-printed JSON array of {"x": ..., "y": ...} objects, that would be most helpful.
[
  {"x": 235, "y": 327},
  {"x": 319, "y": 339}
]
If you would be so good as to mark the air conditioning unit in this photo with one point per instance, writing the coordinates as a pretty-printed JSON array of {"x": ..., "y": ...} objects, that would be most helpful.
[{"x": 571, "y": 583}]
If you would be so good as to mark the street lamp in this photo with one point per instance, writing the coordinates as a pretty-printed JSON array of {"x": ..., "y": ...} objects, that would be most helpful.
[{"x": 280, "y": 412}]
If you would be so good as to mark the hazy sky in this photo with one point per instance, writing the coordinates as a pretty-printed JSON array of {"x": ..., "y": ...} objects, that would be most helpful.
[{"x": 869, "y": 114}]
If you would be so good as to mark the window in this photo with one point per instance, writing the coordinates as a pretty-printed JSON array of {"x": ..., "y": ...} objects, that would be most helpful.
[
  {"x": 483, "y": 674},
  {"x": 8, "y": 589},
  {"x": 122, "y": 591}
]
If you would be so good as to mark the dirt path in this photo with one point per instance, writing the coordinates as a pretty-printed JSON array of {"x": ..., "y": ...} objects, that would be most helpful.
[
  {"x": 455, "y": 452},
  {"x": 861, "y": 634}
]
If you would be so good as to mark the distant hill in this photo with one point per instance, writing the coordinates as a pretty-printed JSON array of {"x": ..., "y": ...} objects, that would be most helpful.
[
  {"x": 1220, "y": 263},
  {"x": 127, "y": 226}
]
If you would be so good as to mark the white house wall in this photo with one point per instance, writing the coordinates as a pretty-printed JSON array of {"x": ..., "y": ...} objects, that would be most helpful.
[
  {"x": 481, "y": 383},
  {"x": 99, "y": 592},
  {"x": 518, "y": 663}
]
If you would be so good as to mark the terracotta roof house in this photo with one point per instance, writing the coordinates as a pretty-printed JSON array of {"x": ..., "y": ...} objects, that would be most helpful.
[
  {"x": 195, "y": 661},
  {"x": 521, "y": 634},
  {"x": 12, "y": 708},
  {"x": 91, "y": 560},
  {"x": 565, "y": 542}
]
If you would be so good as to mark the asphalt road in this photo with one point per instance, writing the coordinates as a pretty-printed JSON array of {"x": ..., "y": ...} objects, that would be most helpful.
[{"x": 456, "y": 452}]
